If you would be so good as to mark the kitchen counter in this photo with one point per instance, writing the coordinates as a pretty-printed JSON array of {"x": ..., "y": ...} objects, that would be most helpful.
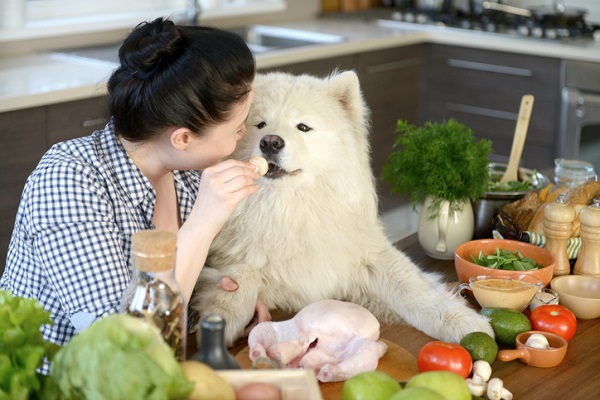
[
  {"x": 50, "y": 78},
  {"x": 574, "y": 378}
]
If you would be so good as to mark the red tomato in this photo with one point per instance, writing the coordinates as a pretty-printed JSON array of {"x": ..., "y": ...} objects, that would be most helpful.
[
  {"x": 442, "y": 356},
  {"x": 554, "y": 318}
]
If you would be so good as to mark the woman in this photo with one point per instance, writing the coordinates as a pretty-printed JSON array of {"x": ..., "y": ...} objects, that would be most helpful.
[{"x": 179, "y": 101}]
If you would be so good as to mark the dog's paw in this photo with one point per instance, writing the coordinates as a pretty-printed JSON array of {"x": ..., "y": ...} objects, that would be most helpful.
[{"x": 459, "y": 323}]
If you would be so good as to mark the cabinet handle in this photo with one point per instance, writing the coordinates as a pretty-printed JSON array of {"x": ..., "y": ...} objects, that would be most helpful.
[
  {"x": 481, "y": 111},
  {"x": 498, "y": 69},
  {"x": 90, "y": 123},
  {"x": 407, "y": 62}
]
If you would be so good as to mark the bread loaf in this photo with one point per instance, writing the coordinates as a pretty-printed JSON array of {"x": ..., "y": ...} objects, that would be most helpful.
[{"x": 577, "y": 197}]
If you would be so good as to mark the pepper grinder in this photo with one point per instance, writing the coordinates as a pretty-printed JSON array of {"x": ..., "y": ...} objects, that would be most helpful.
[
  {"x": 558, "y": 228},
  {"x": 213, "y": 351},
  {"x": 588, "y": 262}
]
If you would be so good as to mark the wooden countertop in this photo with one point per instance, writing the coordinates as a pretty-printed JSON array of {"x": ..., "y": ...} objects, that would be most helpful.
[{"x": 575, "y": 378}]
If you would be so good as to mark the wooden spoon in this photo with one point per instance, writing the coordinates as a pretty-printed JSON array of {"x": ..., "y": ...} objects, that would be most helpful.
[{"x": 511, "y": 173}]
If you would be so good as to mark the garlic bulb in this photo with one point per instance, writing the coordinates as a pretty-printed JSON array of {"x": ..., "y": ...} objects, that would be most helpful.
[{"x": 537, "y": 341}]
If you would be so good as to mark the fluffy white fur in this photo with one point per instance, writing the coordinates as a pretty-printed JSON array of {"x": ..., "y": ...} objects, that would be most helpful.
[{"x": 312, "y": 231}]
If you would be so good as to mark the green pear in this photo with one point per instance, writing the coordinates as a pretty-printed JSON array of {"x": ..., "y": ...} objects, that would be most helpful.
[
  {"x": 371, "y": 385},
  {"x": 450, "y": 385}
]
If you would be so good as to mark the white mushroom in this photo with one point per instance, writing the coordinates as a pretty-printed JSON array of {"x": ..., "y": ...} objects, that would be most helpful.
[
  {"x": 477, "y": 389},
  {"x": 497, "y": 391},
  {"x": 482, "y": 371},
  {"x": 262, "y": 166},
  {"x": 537, "y": 341}
]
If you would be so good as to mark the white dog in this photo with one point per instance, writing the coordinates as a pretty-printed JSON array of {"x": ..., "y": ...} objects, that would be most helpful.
[{"x": 312, "y": 231}]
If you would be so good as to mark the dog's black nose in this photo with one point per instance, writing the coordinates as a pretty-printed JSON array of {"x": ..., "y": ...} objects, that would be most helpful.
[{"x": 271, "y": 144}]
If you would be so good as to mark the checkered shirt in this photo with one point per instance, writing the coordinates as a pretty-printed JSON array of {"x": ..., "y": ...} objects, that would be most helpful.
[{"x": 70, "y": 248}]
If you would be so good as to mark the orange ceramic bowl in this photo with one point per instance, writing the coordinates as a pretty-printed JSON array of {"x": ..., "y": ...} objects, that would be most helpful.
[{"x": 465, "y": 268}]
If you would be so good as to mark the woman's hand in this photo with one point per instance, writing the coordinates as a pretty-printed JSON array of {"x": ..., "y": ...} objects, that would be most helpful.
[
  {"x": 261, "y": 313},
  {"x": 222, "y": 188}
]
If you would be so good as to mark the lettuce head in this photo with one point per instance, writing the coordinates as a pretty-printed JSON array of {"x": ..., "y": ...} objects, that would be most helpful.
[{"x": 119, "y": 357}]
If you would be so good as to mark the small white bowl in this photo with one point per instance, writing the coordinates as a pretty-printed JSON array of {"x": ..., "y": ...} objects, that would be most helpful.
[
  {"x": 544, "y": 296},
  {"x": 579, "y": 293}
]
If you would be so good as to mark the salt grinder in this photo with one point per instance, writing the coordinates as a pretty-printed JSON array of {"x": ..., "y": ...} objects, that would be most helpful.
[
  {"x": 213, "y": 351},
  {"x": 558, "y": 228},
  {"x": 588, "y": 262}
]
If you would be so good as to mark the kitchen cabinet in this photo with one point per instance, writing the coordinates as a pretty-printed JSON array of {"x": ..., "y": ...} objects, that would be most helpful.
[
  {"x": 391, "y": 84},
  {"x": 483, "y": 90},
  {"x": 25, "y": 135}
]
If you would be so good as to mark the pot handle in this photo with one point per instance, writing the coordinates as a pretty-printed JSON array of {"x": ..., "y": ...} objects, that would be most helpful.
[
  {"x": 509, "y": 355},
  {"x": 443, "y": 218}
]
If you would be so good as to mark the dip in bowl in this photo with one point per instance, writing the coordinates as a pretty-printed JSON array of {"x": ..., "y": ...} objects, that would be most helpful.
[{"x": 514, "y": 291}]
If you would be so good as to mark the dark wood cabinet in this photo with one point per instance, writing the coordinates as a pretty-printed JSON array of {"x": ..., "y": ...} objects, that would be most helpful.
[
  {"x": 391, "y": 83},
  {"x": 25, "y": 135},
  {"x": 483, "y": 90}
]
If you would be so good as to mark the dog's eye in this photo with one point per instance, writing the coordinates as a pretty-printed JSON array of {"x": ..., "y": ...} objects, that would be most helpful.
[
  {"x": 303, "y": 128},
  {"x": 261, "y": 125}
]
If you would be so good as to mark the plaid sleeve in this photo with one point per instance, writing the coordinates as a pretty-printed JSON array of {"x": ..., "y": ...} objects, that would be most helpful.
[{"x": 76, "y": 238}]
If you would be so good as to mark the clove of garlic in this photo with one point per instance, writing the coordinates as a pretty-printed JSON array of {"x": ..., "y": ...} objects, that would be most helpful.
[{"x": 537, "y": 341}]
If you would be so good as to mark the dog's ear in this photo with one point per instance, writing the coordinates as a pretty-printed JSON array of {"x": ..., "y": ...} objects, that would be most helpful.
[{"x": 345, "y": 87}]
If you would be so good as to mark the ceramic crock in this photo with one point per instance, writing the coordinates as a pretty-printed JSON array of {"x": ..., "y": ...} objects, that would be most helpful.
[{"x": 439, "y": 236}]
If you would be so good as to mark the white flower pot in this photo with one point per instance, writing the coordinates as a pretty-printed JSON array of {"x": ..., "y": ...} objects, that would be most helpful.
[{"x": 440, "y": 236}]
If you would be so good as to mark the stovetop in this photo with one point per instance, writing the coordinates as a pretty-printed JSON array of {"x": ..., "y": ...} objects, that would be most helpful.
[{"x": 498, "y": 23}]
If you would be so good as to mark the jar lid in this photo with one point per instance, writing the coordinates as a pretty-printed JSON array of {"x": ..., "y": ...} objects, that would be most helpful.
[
  {"x": 573, "y": 172},
  {"x": 153, "y": 250}
]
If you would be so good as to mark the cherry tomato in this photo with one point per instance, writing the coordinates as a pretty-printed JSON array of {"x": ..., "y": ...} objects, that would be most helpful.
[
  {"x": 554, "y": 318},
  {"x": 443, "y": 356}
]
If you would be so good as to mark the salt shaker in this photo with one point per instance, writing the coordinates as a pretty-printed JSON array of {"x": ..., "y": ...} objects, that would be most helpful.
[
  {"x": 558, "y": 228},
  {"x": 153, "y": 294},
  {"x": 588, "y": 262},
  {"x": 213, "y": 351}
]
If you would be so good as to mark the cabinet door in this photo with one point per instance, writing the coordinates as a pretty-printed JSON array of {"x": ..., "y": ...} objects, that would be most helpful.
[
  {"x": 391, "y": 82},
  {"x": 76, "y": 118},
  {"x": 483, "y": 90},
  {"x": 319, "y": 68},
  {"x": 22, "y": 144}
]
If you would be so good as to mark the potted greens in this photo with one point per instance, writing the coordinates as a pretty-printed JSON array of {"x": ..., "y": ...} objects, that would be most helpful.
[{"x": 443, "y": 167}]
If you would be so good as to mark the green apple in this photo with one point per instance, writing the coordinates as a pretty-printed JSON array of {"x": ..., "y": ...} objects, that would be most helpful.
[
  {"x": 450, "y": 385},
  {"x": 371, "y": 385},
  {"x": 417, "y": 393}
]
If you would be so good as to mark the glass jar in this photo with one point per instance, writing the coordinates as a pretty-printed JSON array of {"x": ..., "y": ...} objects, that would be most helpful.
[
  {"x": 153, "y": 294},
  {"x": 571, "y": 173}
]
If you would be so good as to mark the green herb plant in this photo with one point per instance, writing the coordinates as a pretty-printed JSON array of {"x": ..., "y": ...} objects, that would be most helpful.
[
  {"x": 22, "y": 348},
  {"x": 440, "y": 160},
  {"x": 506, "y": 260}
]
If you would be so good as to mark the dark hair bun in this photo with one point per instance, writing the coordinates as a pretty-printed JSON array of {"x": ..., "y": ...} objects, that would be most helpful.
[{"x": 150, "y": 47}]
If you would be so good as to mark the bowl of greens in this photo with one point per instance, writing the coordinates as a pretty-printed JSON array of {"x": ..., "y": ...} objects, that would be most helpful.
[
  {"x": 502, "y": 257},
  {"x": 498, "y": 194}
]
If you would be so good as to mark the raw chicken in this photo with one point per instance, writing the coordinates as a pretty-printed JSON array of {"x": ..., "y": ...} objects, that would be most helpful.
[{"x": 336, "y": 339}]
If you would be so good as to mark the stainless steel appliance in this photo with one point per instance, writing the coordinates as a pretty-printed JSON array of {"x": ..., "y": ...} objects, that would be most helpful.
[
  {"x": 494, "y": 17},
  {"x": 579, "y": 135}
]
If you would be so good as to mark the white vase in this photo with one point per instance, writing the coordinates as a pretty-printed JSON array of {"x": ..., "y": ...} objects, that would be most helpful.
[{"x": 440, "y": 236}]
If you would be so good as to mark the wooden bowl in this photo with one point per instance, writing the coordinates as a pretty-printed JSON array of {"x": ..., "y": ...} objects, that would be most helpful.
[
  {"x": 579, "y": 293},
  {"x": 465, "y": 268}
]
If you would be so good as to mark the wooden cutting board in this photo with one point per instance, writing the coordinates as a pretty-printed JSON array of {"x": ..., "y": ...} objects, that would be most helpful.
[{"x": 396, "y": 362}]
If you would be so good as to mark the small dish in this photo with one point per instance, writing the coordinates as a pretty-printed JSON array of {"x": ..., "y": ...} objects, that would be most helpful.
[
  {"x": 541, "y": 358},
  {"x": 465, "y": 268},
  {"x": 579, "y": 293},
  {"x": 544, "y": 296},
  {"x": 514, "y": 292}
]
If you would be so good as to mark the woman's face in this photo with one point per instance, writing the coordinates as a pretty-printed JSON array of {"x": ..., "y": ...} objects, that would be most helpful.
[{"x": 220, "y": 141}]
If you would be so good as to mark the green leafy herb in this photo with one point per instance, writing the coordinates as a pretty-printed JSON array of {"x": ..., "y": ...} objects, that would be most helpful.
[
  {"x": 506, "y": 260},
  {"x": 443, "y": 161},
  {"x": 22, "y": 348},
  {"x": 513, "y": 186}
]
